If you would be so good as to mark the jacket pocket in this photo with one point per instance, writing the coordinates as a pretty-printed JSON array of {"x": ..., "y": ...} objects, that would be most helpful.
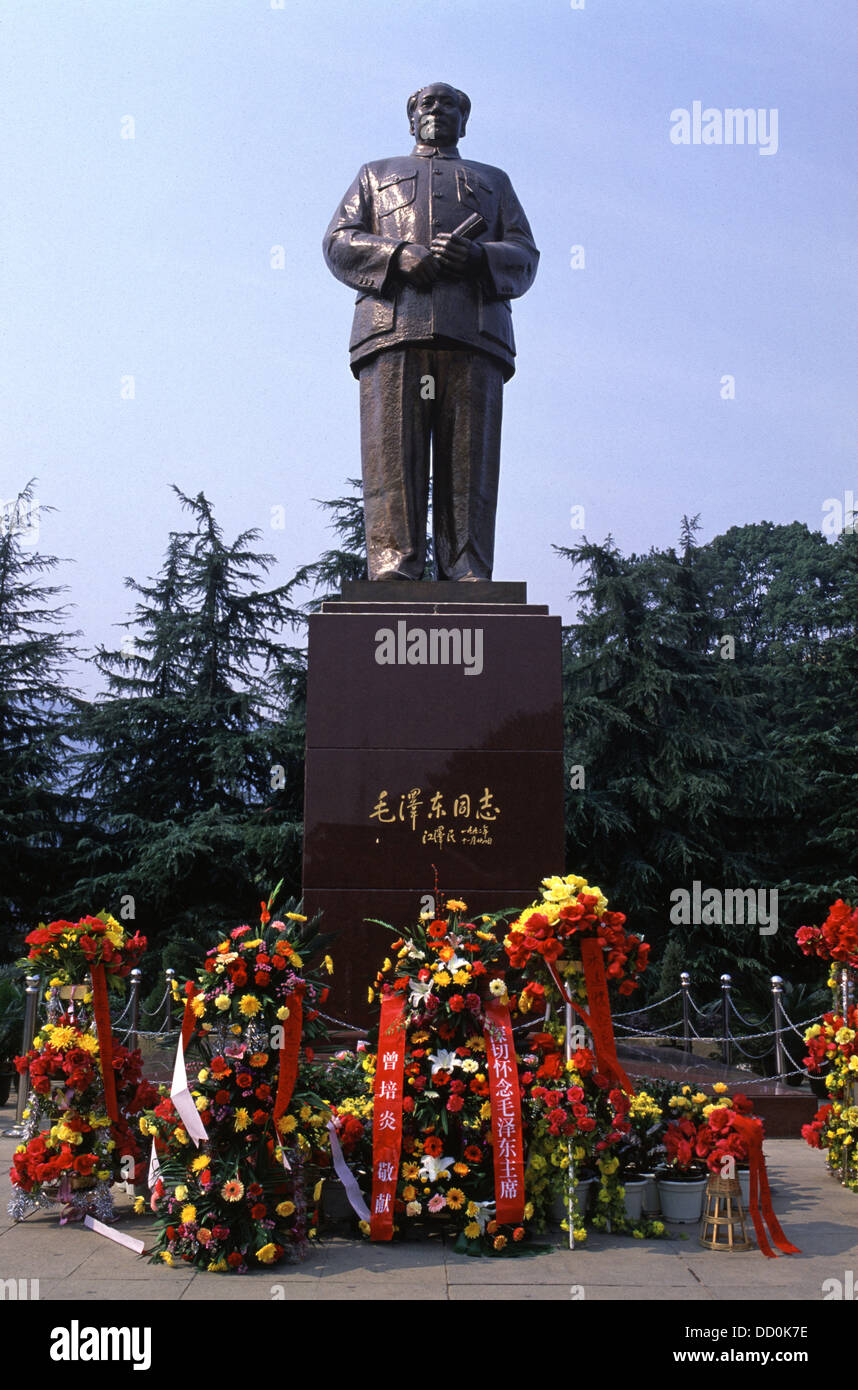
[
  {"x": 395, "y": 192},
  {"x": 372, "y": 316}
]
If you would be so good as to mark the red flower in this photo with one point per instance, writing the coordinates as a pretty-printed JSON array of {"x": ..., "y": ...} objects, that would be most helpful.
[
  {"x": 457, "y": 1003},
  {"x": 455, "y": 1104},
  {"x": 259, "y": 1211},
  {"x": 432, "y": 1146}
]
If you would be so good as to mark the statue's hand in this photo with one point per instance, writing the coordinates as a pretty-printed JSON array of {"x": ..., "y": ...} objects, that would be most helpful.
[
  {"x": 417, "y": 265},
  {"x": 457, "y": 254}
]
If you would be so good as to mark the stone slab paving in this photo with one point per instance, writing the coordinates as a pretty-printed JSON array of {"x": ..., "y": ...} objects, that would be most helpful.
[{"x": 74, "y": 1264}]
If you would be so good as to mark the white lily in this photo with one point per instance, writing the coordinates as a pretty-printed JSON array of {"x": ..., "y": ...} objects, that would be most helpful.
[
  {"x": 444, "y": 1061},
  {"x": 432, "y": 1168},
  {"x": 485, "y": 1214},
  {"x": 455, "y": 963},
  {"x": 419, "y": 989}
]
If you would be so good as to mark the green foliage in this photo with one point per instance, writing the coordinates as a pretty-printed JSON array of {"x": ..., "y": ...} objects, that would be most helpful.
[
  {"x": 181, "y": 762},
  {"x": 35, "y": 804}
]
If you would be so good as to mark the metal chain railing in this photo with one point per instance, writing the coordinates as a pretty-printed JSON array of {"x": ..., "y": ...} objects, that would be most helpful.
[{"x": 681, "y": 1030}]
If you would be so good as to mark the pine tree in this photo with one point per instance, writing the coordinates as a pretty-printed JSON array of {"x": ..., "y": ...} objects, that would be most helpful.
[
  {"x": 35, "y": 805},
  {"x": 668, "y": 739},
  {"x": 192, "y": 763}
]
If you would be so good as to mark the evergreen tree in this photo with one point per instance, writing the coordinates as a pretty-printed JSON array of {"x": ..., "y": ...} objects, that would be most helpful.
[
  {"x": 192, "y": 763},
  {"x": 35, "y": 806},
  {"x": 670, "y": 741}
]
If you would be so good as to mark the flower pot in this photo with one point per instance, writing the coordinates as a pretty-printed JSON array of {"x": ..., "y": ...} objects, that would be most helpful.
[
  {"x": 635, "y": 1188},
  {"x": 682, "y": 1198},
  {"x": 651, "y": 1203}
]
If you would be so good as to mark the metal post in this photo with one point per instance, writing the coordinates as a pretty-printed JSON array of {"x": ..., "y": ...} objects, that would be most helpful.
[
  {"x": 777, "y": 1009},
  {"x": 685, "y": 984},
  {"x": 31, "y": 1004},
  {"x": 135, "y": 977},
  {"x": 726, "y": 982},
  {"x": 168, "y": 1006},
  {"x": 570, "y": 1171}
]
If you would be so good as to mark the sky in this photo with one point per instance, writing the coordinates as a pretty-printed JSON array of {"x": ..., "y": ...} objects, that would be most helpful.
[{"x": 696, "y": 354}]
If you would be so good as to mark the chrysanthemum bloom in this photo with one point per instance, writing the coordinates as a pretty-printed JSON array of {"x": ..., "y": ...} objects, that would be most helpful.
[
  {"x": 285, "y": 1208},
  {"x": 249, "y": 1005}
]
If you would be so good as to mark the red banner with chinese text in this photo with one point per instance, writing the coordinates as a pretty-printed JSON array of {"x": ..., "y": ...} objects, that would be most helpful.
[
  {"x": 387, "y": 1115},
  {"x": 506, "y": 1116}
]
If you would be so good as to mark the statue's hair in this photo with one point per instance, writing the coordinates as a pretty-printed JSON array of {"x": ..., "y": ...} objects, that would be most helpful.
[{"x": 463, "y": 99}]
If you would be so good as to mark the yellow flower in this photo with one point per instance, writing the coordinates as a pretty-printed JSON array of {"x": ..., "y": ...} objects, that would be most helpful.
[
  {"x": 719, "y": 1088},
  {"x": 294, "y": 917},
  {"x": 461, "y": 977},
  {"x": 249, "y": 1005},
  {"x": 409, "y": 1193},
  {"x": 235, "y": 1028},
  {"x": 287, "y": 1123},
  {"x": 283, "y": 1013},
  {"x": 181, "y": 1192},
  {"x": 222, "y": 1002},
  {"x": 201, "y": 1162},
  {"x": 219, "y": 1267},
  {"x": 189, "y": 1214},
  {"x": 456, "y": 1198},
  {"x": 241, "y": 1121},
  {"x": 472, "y": 1231},
  {"x": 267, "y": 1254},
  {"x": 370, "y": 995},
  {"x": 328, "y": 964},
  {"x": 456, "y": 905},
  {"x": 167, "y": 1258},
  {"x": 486, "y": 1110},
  {"x": 285, "y": 1208},
  {"x": 442, "y": 978},
  {"x": 363, "y": 1227}
]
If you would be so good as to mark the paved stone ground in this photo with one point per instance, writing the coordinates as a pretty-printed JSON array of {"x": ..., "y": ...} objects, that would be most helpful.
[{"x": 74, "y": 1264}]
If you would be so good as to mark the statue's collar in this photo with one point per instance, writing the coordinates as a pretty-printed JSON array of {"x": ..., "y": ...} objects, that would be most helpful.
[{"x": 432, "y": 151}]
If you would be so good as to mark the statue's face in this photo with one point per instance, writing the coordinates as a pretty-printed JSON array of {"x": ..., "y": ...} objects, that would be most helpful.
[{"x": 437, "y": 117}]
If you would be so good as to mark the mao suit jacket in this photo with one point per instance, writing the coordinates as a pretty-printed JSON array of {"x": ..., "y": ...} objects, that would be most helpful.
[{"x": 409, "y": 199}]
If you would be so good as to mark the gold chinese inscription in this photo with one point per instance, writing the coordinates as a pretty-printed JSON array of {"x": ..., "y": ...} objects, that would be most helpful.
[{"x": 467, "y": 816}]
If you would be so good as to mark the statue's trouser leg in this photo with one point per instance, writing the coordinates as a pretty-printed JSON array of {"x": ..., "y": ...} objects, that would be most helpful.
[
  {"x": 466, "y": 461},
  {"x": 395, "y": 425}
]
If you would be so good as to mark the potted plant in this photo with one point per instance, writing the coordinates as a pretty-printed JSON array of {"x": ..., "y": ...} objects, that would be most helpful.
[
  {"x": 647, "y": 1120},
  {"x": 682, "y": 1178}
]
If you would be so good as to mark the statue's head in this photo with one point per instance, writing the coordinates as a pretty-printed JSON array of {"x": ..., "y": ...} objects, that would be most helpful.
[{"x": 438, "y": 114}]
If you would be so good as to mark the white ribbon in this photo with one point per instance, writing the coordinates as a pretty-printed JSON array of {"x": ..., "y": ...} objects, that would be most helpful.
[
  {"x": 184, "y": 1101},
  {"x": 154, "y": 1167},
  {"x": 346, "y": 1176},
  {"x": 130, "y": 1242}
]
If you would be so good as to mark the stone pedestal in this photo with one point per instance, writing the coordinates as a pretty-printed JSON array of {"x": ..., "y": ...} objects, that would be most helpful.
[{"x": 434, "y": 756}]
